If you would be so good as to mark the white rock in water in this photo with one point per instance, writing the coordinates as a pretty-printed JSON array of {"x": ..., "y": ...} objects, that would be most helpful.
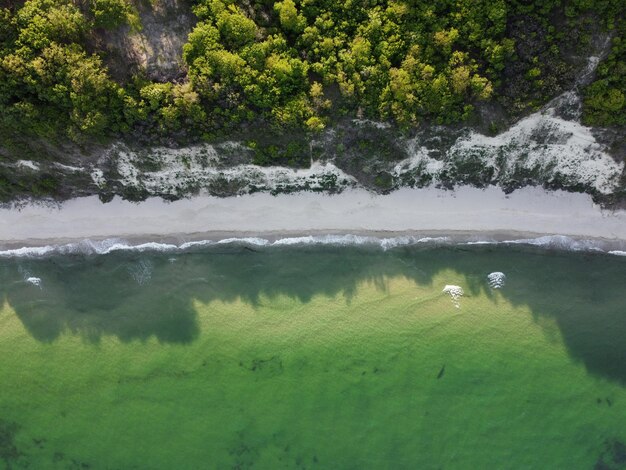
[
  {"x": 35, "y": 281},
  {"x": 455, "y": 292},
  {"x": 496, "y": 280}
]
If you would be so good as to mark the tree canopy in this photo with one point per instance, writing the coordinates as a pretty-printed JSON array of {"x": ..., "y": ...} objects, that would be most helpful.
[{"x": 301, "y": 64}]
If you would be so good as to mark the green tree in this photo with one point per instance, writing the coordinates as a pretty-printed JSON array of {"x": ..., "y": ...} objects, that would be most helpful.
[
  {"x": 236, "y": 29},
  {"x": 111, "y": 14},
  {"x": 288, "y": 15}
]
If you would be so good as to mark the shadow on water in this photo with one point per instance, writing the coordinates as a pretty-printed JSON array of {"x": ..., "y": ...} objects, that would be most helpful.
[
  {"x": 140, "y": 295},
  {"x": 98, "y": 296}
]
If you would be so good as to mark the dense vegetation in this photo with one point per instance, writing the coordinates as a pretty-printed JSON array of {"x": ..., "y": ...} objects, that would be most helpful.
[
  {"x": 605, "y": 99},
  {"x": 303, "y": 63}
]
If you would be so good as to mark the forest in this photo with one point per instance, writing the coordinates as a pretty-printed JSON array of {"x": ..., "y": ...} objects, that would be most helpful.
[{"x": 303, "y": 64}]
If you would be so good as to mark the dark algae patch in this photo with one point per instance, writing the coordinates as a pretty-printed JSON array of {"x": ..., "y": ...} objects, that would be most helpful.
[
  {"x": 613, "y": 457},
  {"x": 270, "y": 367},
  {"x": 9, "y": 453}
]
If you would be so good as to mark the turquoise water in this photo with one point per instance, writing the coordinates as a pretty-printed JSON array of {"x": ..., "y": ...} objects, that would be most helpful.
[{"x": 238, "y": 356}]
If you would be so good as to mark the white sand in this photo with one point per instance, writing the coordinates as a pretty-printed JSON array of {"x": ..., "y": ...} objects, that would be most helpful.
[{"x": 530, "y": 210}]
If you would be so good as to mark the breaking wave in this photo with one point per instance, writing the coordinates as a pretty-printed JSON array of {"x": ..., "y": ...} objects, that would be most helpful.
[{"x": 103, "y": 247}]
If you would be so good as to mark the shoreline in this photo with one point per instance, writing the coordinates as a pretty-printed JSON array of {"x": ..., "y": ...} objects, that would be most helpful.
[{"x": 465, "y": 214}]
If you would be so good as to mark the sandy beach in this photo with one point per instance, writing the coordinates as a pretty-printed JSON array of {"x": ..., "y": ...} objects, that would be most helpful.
[{"x": 468, "y": 210}]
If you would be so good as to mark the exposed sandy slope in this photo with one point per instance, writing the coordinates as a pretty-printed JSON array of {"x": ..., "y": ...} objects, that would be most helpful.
[{"x": 529, "y": 210}]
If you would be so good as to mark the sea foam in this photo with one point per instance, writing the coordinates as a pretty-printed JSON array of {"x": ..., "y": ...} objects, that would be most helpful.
[
  {"x": 35, "y": 281},
  {"x": 455, "y": 293},
  {"x": 108, "y": 246},
  {"x": 496, "y": 280},
  {"x": 141, "y": 271}
]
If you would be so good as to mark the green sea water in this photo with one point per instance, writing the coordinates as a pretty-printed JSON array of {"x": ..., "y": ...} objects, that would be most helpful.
[{"x": 314, "y": 357}]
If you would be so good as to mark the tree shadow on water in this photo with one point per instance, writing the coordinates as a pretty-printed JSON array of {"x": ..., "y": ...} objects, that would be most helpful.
[
  {"x": 585, "y": 296},
  {"x": 97, "y": 297},
  {"x": 142, "y": 295}
]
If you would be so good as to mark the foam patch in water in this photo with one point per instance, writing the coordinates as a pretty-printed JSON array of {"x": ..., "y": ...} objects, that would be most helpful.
[
  {"x": 496, "y": 280},
  {"x": 35, "y": 281},
  {"x": 141, "y": 272},
  {"x": 455, "y": 293}
]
